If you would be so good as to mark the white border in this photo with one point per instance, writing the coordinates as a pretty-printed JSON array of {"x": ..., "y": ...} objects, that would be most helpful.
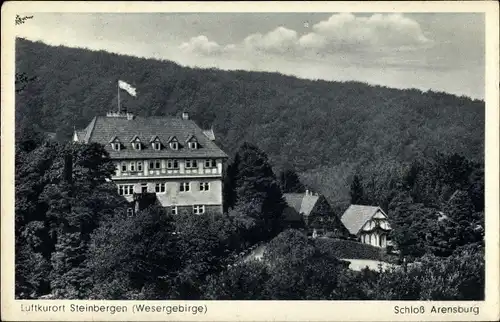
[{"x": 253, "y": 310}]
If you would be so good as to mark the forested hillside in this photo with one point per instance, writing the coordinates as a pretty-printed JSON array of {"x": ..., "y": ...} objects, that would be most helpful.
[{"x": 327, "y": 131}]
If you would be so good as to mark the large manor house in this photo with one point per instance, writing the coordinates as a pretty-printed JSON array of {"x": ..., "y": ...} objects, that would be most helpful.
[
  {"x": 171, "y": 157},
  {"x": 179, "y": 163}
]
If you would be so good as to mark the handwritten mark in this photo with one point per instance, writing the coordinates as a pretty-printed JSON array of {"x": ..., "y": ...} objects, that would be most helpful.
[{"x": 20, "y": 20}]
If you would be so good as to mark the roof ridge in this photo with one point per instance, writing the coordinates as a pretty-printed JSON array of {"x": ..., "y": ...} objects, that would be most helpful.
[{"x": 91, "y": 127}]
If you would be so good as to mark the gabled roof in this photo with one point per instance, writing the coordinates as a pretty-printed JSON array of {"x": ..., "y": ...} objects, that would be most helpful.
[
  {"x": 172, "y": 139},
  {"x": 192, "y": 138},
  {"x": 303, "y": 203},
  {"x": 102, "y": 128},
  {"x": 357, "y": 215},
  {"x": 84, "y": 135},
  {"x": 154, "y": 138},
  {"x": 135, "y": 138},
  {"x": 114, "y": 139},
  {"x": 209, "y": 134}
]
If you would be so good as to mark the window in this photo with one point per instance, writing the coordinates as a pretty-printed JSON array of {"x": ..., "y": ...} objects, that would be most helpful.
[
  {"x": 124, "y": 167},
  {"x": 130, "y": 212},
  {"x": 193, "y": 145},
  {"x": 172, "y": 164},
  {"x": 144, "y": 187},
  {"x": 204, "y": 186},
  {"x": 139, "y": 166},
  {"x": 174, "y": 145},
  {"x": 198, "y": 209},
  {"x": 125, "y": 189},
  {"x": 157, "y": 146},
  {"x": 173, "y": 210},
  {"x": 160, "y": 187},
  {"x": 191, "y": 164},
  {"x": 210, "y": 163},
  {"x": 115, "y": 146},
  {"x": 136, "y": 145},
  {"x": 154, "y": 164},
  {"x": 184, "y": 186},
  {"x": 132, "y": 166}
]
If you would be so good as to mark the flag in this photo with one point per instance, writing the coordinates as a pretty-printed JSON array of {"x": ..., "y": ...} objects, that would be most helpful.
[{"x": 127, "y": 87}]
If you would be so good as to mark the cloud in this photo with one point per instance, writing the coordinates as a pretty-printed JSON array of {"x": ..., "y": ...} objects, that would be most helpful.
[
  {"x": 340, "y": 33},
  {"x": 345, "y": 31},
  {"x": 279, "y": 40},
  {"x": 201, "y": 45}
]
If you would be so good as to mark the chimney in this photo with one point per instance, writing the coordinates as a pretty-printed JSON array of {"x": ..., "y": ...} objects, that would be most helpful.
[{"x": 185, "y": 116}]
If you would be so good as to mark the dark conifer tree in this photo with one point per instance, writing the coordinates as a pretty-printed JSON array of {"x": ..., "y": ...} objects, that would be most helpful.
[
  {"x": 357, "y": 193},
  {"x": 229, "y": 188},
  {"x": 290, "y": 182},
  {"x": 258, "y": 191}
]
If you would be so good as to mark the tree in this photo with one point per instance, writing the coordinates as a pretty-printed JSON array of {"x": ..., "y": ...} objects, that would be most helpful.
[
  {"x": 290, "y": 182},
  {"x": 229, "y": 187},
  {"x": 244, "y": 281},
  {"x": 411, "y": 224},
  {"x": 136, "y": 252},
  {"x": 460, "y": 225},
  {"x": 258, "y": 193},
  {"x": 207, "y": 244},
  {"x": 357, "y": 194},
  {"x": 61, "y": 197},
  {"x": 476, "y": 188},
  {"x": 299, "y": 270}
]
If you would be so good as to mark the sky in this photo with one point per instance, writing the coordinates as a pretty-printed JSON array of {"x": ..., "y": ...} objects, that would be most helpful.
[{"x": 437, "y": 51}]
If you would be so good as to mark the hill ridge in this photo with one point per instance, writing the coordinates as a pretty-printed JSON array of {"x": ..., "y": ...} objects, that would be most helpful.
[{"x": 323, "y": 129}]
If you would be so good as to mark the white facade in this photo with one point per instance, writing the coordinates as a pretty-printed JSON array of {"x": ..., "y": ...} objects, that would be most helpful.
[{"x": 376, "y": 230}]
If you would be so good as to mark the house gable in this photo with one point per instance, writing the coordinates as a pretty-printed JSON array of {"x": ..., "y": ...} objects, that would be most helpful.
[
  {"x": 378, "y": 220},
  {"x": 322, "y": 216},
  {"x": 356, "y": 216}
]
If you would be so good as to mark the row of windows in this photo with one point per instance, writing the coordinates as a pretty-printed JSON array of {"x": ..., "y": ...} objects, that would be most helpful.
[
  {"x": 155, "y": 145},
  {"x": 197, "y": 210},
  {"x": 172, "y": 164},
  {"x": 128, "y": 189}
]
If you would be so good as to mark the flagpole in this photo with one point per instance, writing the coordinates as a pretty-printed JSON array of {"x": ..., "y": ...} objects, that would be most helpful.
[{"x": 118, "y": 87}]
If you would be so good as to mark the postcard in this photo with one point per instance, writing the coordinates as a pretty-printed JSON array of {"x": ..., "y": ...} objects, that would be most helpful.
[{"x": 250, "y": 161}]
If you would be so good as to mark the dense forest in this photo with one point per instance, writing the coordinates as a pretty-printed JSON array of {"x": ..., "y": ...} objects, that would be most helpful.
[
  {"x": 75, "y": 240},
  {"x": 418, "y": 155},
  {"x": 325, "y": 131}
]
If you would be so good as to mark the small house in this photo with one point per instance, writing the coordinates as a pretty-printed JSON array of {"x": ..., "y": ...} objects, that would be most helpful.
[
  {"x": 315, "y": 213},
  {"x": 369, "y": 224}
]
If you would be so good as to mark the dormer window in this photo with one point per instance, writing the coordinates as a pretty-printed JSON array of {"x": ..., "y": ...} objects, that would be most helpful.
[
  {"x": 173, "y": 143},
  {"x": 136, "y": 143},
  {"x": 192, "y": 142},
  {"x": 115, "y": 144},
  {"x": 155, "y": 143}
]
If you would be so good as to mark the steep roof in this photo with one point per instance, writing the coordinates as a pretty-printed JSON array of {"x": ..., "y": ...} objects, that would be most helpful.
[
  {"x": 103, "y": 128},
  {"x": 303, "y": 203},
  {"x": 357, "y": 215}
]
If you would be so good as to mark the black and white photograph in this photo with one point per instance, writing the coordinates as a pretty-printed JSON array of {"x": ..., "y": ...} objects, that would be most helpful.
[{"x": 250, "y": 156}]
